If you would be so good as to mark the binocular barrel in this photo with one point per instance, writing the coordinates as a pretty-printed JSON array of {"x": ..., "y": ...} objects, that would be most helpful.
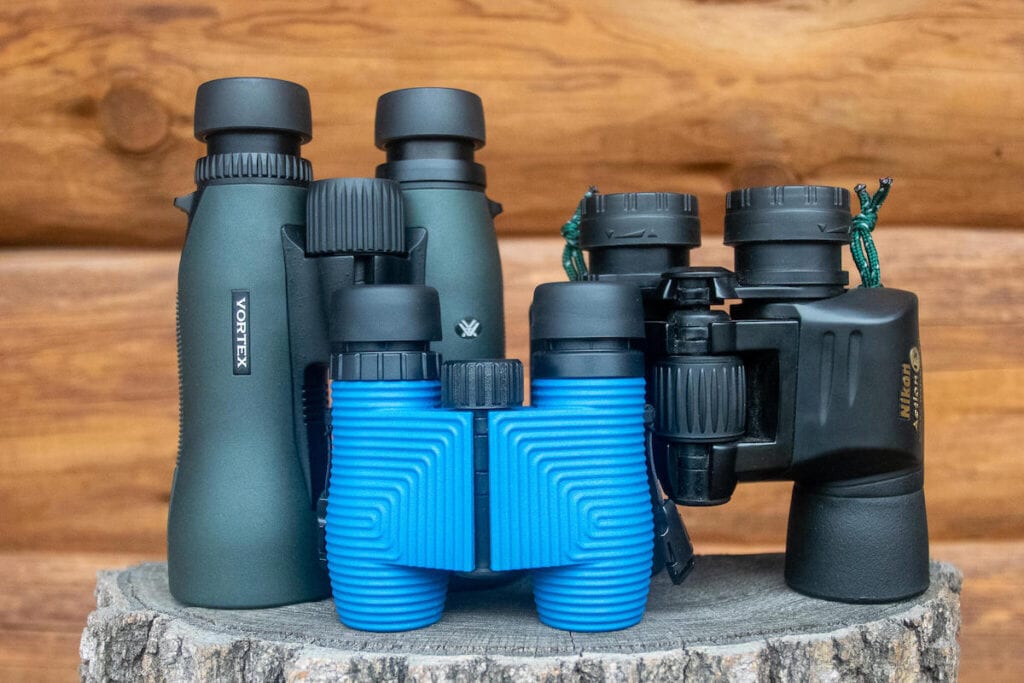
[
  {"x": 252, "y": 466},
  {"x": 430, "y": 136},
  {"x": 241, "y": 529}
]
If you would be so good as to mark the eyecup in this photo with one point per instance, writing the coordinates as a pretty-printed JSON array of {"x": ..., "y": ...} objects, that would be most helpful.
[
  {"x": 639, "y": 219},
  {"x": 253, "y": 104},
  {"x": 787, "y": 213},
  {"x": 429, "y": 113},
  {"x": 586, "y": 329},
  {"x": 789, "y": 235},
  {"x": 385, "y": 313}
]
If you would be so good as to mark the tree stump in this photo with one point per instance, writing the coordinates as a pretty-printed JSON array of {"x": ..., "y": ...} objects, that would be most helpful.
[{"x": 734, "y": 618}]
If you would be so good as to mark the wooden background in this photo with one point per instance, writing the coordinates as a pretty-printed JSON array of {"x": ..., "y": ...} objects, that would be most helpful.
[{"x": 700, "y": 96}]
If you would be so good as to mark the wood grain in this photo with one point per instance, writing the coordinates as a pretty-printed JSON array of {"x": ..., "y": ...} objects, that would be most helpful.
[
  {"x": 89, "y": 426},
  {"x": 45, "y": 597},
  {"x": 733, "y": 620},
  {"x": 700, "y": 96}
]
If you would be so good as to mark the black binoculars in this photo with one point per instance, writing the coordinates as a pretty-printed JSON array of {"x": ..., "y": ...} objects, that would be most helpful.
[{"x": 801, "y": 379}]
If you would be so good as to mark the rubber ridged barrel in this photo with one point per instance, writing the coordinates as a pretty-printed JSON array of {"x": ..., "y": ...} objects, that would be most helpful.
[
  {"x": 371, "y": 521},
  {"x": 241, "y": 528},
  {"x": 430, "y": 135},
  {"x": 608, "y": 588},
  {"x": 400, "y": 495},
  {"x": 579, "y": 457},
  {"x": 588, "y": 530}
]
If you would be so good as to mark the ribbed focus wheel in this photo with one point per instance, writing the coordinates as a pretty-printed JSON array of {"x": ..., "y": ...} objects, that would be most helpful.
[{"x": 700, "y": 398}]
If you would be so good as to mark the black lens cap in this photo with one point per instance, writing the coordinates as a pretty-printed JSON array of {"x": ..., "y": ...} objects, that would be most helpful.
[
  {"x": 429, "y": 113},
  {"x": 253, "y": 104}
]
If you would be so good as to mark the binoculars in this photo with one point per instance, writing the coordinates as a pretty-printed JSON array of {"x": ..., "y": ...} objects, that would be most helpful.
[
  {"x": 437, "y": 468},
  {"x": 365, "y": 414},
  {"x": 254, "y": 288},
  {"x": 802, "y": 379}
]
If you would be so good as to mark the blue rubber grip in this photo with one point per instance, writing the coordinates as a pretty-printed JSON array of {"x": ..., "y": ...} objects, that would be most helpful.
[
  {"x": 400, "y": 510},
  {"x": 569, "y": 495}
]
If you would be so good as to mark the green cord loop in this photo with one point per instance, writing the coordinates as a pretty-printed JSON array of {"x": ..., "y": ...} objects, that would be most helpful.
[
  {"x": 572, "y": 256},
  {"x": 862, "y": 246}
]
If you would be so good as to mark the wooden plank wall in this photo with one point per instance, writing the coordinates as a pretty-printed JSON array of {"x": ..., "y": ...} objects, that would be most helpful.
[
  {"x": 88, "y": 432},
  {"x": 695, "y": 95},
  {"x": 684, "y": 95},
  {"x": 702, "y": 96}
]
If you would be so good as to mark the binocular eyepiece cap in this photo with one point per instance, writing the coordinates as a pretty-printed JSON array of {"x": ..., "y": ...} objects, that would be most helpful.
[
  {"x": 639, "y": 219},
  {"x": 787, "y": 213},
  {"x": 253, "y": 104},
  {"x": 385, "y": 313},
  {"x": 429, "y": 113},
  {"x": 355, "y": 216}
]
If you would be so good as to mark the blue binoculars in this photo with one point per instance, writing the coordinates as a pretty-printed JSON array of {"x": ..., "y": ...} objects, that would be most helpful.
[{"x": 437, "y": 468}]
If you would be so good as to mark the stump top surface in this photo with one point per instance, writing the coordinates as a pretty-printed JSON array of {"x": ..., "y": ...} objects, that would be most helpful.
[{"x": 726, "y": 600}]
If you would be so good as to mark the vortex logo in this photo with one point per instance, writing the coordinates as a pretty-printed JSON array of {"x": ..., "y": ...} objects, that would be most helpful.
[{"x": 468, "y": 328}]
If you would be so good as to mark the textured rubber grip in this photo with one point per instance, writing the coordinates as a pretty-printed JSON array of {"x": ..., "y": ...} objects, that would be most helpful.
[
  {"x": 579, "y": 459},
  {"x": 699, "y": 398},
  {"x": 400, "y": 513}
]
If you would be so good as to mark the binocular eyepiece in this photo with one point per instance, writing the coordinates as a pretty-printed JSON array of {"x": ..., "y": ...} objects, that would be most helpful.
[
  {"x": 637, "y": 236},
  {"x": 249, "y": 116},
  {"x": 430, "y": 135},
  {"x": 783, "y": 236},
  {"x": 789, "y": 236}
]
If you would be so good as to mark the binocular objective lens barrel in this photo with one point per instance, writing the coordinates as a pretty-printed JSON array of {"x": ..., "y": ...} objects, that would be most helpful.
[
  {"x": 638, "y": 233},
  {"x": 789, "y": 236}
]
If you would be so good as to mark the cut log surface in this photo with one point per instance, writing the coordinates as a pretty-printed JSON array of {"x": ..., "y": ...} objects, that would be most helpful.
[{"x": 734, "y": 618}]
